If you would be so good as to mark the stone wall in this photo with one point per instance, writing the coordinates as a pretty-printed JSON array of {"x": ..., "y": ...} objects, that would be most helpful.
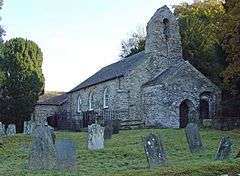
[
  {"x": 163, "y": 96},
  {"x": 41, "y": 112},
  {"x": 118, "y": 98}
]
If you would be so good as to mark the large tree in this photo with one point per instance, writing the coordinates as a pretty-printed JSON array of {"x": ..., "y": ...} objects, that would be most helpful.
[
  {"x": 22, "y": 79},
  {"x": 231, "y": 44},
  {"x": 199, "y": 28}
]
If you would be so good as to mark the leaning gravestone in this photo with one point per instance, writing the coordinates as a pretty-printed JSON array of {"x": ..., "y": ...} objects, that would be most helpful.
[
  {"x": 66, "y": 153},
  {"x": 11, "y": 130},
  {"x": 154, "y": 150},
  {"x": 108, "y": 129},
  {"x": 2, "y": 129},
  {"x": 43, "y": 152},
  {"x": 224, "y": 149},
  {"x": 95, "y": 137},
  {"x": 193, "y": 137}
]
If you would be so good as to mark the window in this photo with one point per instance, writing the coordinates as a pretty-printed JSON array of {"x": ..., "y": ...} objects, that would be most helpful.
[
  {"x": 166, "y": 30},
  {"x": 106, "y": 98},
  {"x": 90, "y": 101},
  {"x": 79, "y": 104}
]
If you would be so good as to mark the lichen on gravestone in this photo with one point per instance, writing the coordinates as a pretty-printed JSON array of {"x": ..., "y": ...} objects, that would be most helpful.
[
  {"x": 43, "y": 153},
  {"x": 95, "y": 137},
  {"x": 154, "y": 150}
]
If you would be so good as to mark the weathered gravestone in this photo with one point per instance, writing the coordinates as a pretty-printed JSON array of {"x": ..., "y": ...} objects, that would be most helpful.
[
  {"x": 224, "y": 149},
  {"x": 154, "y": 151},
  {"x": 95, "y": 137},
  {"x": 28, "y": 127},
  {"x": 43, "y": 153},
  {"x": 66, "y": 153},
  {"x": 2, "y": 129},
  {"x": 193, "y": 117},
  {"x": 108, "y": 129},
  {"x": 116, "y": 126},
  {"x": 11, "y": 130},
  {"x": 193, "y": 137}
]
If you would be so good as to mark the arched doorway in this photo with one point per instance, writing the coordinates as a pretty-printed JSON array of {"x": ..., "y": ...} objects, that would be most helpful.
[
  {"x": 204, "y": 109},
  {"x": 185, "y": 107},
  {"x": 205, "y": 105}
]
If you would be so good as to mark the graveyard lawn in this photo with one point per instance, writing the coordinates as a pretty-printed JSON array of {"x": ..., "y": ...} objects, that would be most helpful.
[{"x": 124, "y": 155}]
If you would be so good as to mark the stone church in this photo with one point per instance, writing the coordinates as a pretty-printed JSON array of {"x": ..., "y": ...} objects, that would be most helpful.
[{"x": 156, "y": 86}]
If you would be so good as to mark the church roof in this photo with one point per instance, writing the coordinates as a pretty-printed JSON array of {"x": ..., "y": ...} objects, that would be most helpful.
[
  {"x": 180, "y": 69},
  {"x": 54, "y": 101},
  {"x": 112, "y": 71}
]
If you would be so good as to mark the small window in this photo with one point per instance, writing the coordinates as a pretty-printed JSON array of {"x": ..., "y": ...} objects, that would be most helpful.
[
  {"x": 166, "y": 30},
  {"x": 79, "y": 104},
  {"x": 106, "y": 98},
  {"x": 90, "y": 101}
]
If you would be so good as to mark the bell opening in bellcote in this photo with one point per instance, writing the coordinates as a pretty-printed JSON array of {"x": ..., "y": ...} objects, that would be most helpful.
[{"x": 166, "y": 30}]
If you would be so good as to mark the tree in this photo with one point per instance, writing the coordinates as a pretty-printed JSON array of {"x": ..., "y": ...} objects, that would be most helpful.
[
  {"x": 134, "y": 44},
  {"x": 231, "y": 44},
  {"x": 199, "y": 28},
  {"x": 22, "y": 80}
]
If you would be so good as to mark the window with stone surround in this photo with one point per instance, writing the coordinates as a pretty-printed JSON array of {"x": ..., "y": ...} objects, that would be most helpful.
[
  {"x": 79, "y": 104},
  {"x": 90, "y": 101},
  {"x": 106, "y": 98}
]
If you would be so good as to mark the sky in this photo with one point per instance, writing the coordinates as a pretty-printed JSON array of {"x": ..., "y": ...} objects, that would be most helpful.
[{"x": 77, "y": 37}]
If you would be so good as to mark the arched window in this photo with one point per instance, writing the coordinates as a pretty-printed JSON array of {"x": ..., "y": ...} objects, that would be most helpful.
[
  {"x": 90, "y": 101},
  {"x": 106, "y": 98},
  {"x": 79, "y": 104},
  {"x": 166, "y": 30}
]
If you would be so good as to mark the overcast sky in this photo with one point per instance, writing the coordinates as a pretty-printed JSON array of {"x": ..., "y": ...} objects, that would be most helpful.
[{"x": 77, "y": 37}]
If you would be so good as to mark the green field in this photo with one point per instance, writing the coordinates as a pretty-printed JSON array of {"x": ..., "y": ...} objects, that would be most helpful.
[{"x": 124, "y": 155}]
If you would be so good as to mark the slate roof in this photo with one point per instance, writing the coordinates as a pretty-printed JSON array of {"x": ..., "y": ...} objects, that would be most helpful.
[
  {"x": 54, "y": 101},
  {"x": 112, "y": 71}
]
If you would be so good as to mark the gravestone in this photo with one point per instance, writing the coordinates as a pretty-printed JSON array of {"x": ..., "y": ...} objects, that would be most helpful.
[
  {"x": 193, "y": 137},
  {"x": 43, "y": 152},
  {"x": 224, "y": 149},
  {"x": 11, "y": 130},
  {"x": 28, "y": 127},
  {"x": 2, "y": 129},
  {"x": 154, "y": 150},
  {"x": 108, "y": 129},
  {"x": 66, "y": 153},
  {"x": 52, "y": 133},
  {"x": 116, "y": 126},
  {"x": 95, "y": 137},
  {"x": 193, "y": 116}
]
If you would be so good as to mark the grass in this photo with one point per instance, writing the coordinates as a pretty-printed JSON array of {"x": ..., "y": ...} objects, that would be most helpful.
[{"x": 124, "y": 155}]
